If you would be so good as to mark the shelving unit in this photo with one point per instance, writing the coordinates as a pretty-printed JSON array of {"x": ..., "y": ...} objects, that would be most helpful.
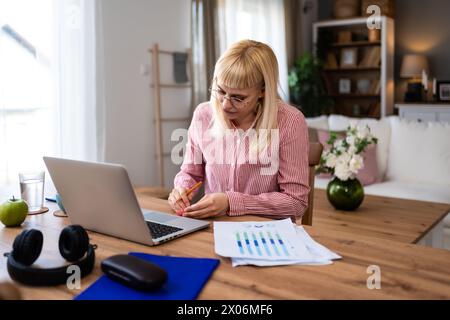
[
  {"x": 356, "y": 44},
  {"x": 374, "y": 67}
]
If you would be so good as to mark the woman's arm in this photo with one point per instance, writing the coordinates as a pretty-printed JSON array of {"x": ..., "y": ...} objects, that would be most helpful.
[{"x": 292, "y": 199}]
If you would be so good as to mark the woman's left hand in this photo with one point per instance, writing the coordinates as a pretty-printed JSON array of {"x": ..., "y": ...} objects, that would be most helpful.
[{"x": 211, "y": 205}]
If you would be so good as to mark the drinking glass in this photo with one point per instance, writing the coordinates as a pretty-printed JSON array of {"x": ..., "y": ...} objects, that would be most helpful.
[{"x": 32, "y": 190}]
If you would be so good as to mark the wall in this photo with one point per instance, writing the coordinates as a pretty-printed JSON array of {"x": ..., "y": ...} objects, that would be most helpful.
[
  {"x": 420, "y": 27},
  {"x": 326, "y": 9},
  {"x": 423, "y": 27},
  {"x": 130, "y": 28}
]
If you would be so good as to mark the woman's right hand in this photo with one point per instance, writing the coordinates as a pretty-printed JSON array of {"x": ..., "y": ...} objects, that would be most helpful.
[{"x": 179, "y": 200}]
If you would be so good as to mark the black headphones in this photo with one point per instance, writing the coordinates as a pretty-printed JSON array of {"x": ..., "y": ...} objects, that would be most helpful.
[{"x": 27, "y": 246}]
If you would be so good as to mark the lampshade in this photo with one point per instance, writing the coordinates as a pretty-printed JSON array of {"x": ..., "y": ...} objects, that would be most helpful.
[{"x": 413, "y": 65}]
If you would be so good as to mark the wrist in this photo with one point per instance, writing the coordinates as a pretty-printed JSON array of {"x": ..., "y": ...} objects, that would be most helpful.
[{"x": 227, "y": 201}]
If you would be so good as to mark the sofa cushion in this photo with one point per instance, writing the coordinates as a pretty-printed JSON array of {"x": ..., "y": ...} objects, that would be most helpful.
[
  {"x": 419, "y": 152},
  {"x": 380, "y": 129},
  {"x": 318, "y": 122}
]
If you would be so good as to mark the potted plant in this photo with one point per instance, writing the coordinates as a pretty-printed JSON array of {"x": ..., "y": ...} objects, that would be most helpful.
[
  {"x": 343, "y": 160},
  {"x": 307, "y": 89}
]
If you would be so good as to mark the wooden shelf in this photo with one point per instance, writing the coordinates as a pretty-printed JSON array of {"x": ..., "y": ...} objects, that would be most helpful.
[
  {"x": 356, "y": 44},
  {"x": 352, "y": 69},
  {"x": 354, "y": 96}
]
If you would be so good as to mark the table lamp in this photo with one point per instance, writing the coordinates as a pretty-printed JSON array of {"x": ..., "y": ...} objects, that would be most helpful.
[{"x": 413, "y": 66}]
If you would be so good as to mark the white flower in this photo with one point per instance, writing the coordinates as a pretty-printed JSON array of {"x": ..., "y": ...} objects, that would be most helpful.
[
  {"x": 345, "y": 157},
  {"x": 352, "y": 150},
  {"x": 331, "y": 160},
  {"x": 342, "y": 171},
  {"x": 342, "y": 159},
  {"x": 363, "y": 133},
  {"x": 356, "y": 163},
  {"x": 351, "y": 140},
  {"x": 339, "y": 146}
]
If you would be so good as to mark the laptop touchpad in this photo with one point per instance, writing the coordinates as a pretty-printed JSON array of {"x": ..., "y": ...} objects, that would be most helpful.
[{"x": 157, "y": 216}]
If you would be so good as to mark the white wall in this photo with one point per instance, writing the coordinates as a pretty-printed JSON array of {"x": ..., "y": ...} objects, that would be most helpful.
[{"x": 130, "y": 28}]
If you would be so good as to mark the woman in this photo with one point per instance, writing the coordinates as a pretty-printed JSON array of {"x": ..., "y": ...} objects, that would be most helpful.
[{"x": 248, "y": 146}]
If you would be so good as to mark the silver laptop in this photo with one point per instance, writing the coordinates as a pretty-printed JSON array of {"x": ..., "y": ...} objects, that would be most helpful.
[{"x": 100, "y": 198}]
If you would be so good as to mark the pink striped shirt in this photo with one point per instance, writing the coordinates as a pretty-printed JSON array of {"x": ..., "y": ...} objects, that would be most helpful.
[{"x": 279, "y": 193}]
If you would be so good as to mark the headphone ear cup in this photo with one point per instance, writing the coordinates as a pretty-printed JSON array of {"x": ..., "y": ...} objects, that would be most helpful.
[
  {"x": 27, "y": 246},
  {"x": 73, "y": 243}
]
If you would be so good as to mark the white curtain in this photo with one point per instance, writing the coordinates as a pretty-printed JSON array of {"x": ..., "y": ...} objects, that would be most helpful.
[
  {"x": 51, "y": 103},
  {"x": 79, "y": 80},
  {"x": 25, "y": 86},
  {"x": 258, "y": 20}
]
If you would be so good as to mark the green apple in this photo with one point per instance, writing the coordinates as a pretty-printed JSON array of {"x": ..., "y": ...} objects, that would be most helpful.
[{"x": 13, "y": 212}]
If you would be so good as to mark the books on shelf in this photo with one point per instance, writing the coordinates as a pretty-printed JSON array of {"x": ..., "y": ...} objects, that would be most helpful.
[
  {"x": 375, "y": 88},
  {"x": 331, "y": 61},
  {"x": 374, "y": 110},
  {"x": 344, "y": 36},
  {"x": 328, "y": 84},
  {"x": 372, "y": 58}
]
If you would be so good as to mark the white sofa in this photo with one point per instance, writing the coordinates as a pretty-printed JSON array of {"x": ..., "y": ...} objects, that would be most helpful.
[{"x": 413, "y": 162}]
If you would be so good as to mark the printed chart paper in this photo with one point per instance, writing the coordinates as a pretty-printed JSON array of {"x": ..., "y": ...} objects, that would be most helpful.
[
  {"x": 321, "y": 255},
  {"x": 267, "y": 240}
]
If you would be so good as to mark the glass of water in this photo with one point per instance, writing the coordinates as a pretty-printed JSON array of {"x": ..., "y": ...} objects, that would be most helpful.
[{"x": 32, "y": 190}]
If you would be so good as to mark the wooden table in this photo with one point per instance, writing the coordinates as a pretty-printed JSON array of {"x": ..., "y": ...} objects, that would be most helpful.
[
  {"x": 408, "y": 271},
  {"x": 385, "y": 218}
]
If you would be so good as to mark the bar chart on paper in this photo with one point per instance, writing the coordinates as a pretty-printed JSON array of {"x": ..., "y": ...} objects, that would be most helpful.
[
  {"x": 258, "y": 240},
  {"x": 261, "y": 244}
]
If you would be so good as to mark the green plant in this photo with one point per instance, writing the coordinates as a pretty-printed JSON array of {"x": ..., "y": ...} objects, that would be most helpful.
[{"x": 307, "y": 87}]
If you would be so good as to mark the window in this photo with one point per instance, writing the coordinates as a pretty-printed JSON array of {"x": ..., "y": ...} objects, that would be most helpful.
[
  {"x": 256, "y": 20},
  {"x": 26, "y": 85},
  {"x": 49, "y": 84}
]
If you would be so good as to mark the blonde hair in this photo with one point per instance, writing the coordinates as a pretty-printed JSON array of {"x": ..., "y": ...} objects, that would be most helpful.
[{"x": 244, "y": 65}]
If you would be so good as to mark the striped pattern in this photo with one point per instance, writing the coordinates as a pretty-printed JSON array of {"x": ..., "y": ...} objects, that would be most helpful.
[{"x": 281, "y": 194}]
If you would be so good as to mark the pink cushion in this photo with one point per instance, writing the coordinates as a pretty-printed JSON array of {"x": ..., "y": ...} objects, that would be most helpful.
[{"x": 367, "y": 175}]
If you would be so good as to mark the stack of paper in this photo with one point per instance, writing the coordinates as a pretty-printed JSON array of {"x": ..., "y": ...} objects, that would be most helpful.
[{"x": 270, "y": 243}]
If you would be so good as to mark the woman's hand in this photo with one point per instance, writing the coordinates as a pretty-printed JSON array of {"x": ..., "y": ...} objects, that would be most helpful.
[
  {"x": 211, "y": 205},
  {"x": 179, "y": 200}
]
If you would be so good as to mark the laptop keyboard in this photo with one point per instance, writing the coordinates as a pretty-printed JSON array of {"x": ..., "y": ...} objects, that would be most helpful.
[{"x": 160, "y": 230}]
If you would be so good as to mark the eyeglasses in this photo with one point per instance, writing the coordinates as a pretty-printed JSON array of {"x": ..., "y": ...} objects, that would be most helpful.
[{"x": 235, "y": 101}]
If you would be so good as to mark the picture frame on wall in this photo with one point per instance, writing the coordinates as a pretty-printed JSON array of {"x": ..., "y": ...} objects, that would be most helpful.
[
  {"x": 349, "y": 58},
  {"x": 345, "y": 86},
  {"x": 443, "y": 91}
]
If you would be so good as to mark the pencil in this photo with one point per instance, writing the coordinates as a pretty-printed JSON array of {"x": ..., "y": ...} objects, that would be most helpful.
[
  {"x": 190, "y": 190},
  {"x": 197, "y": 185}
]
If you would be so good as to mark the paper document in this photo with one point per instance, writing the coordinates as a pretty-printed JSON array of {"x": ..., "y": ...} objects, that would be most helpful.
[
  {"x": 271, "y": 240},
  {"x": 269, "y": 243}
]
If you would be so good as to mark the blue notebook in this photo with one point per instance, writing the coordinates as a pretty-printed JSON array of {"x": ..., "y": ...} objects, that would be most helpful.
[{"x": 186, "y": 278}]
